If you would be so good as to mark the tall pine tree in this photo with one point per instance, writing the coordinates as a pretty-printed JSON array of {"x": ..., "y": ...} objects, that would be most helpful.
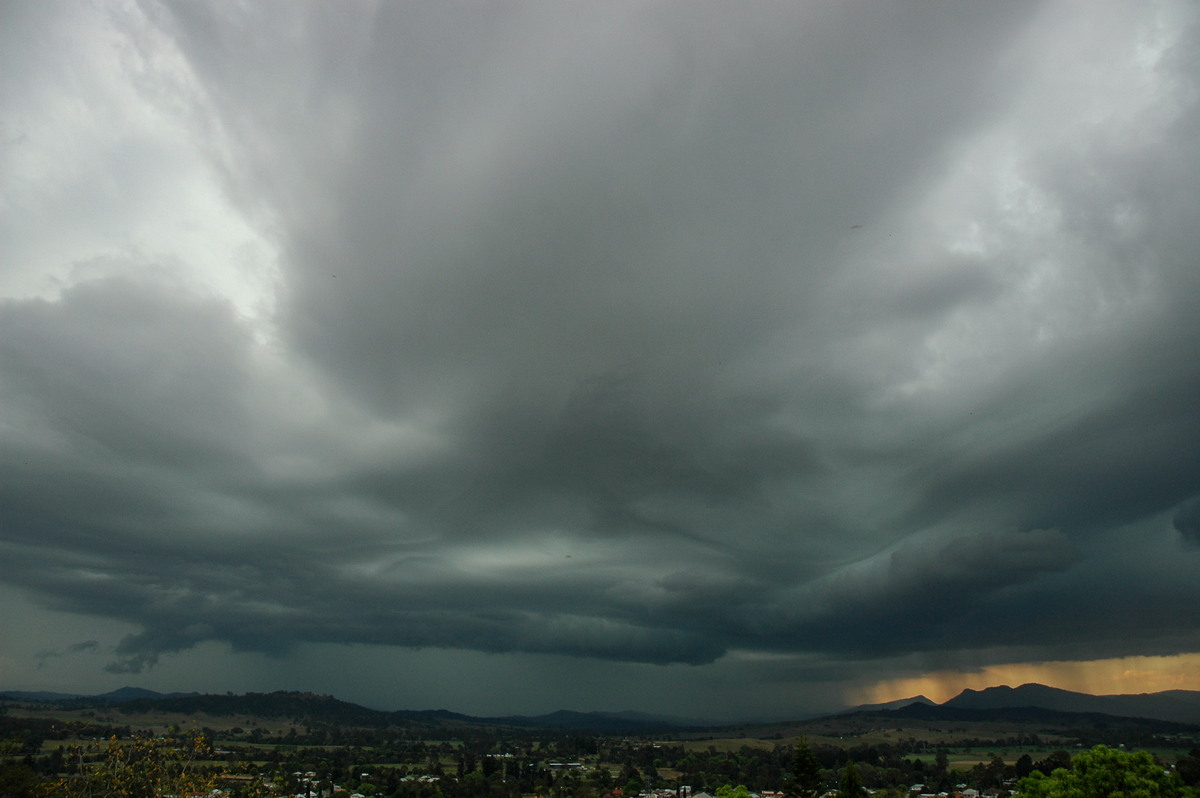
[{"x": 806, "y": 773}]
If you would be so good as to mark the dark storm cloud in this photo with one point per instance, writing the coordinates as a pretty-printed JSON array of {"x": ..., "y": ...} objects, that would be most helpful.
[
  {"x": 638, "y": 332},
  {"x": 1187, "y": 521},
  {"x": 89, "y": 646}
]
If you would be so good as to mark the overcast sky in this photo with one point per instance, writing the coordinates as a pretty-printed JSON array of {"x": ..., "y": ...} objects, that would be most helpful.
[{"x": 720, "y": 359}]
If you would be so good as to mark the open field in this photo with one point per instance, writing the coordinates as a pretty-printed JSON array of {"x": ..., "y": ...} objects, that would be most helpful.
[
  {"x": 152, "y": 723},
  {"x": 726, "y": 745}
]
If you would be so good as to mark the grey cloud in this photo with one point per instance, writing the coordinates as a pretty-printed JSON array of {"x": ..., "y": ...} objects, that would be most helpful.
[
  {"x": 134, "y": 364},
  {"x": 1187, "y": 521},
  {"x": 632, "y": 335},
  {"x": 587, "y": 234},
  {"x": 911, "y": 598},
  {"x": 86, "y": 646}
]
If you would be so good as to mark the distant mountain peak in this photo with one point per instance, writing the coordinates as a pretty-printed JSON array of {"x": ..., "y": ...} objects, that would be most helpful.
[
  {"x": 1178, "y": 706},
  {"x": 1002, "y": 695},
  {"x": 898, "y": 703},
  {"x": 133, "y": 693}
]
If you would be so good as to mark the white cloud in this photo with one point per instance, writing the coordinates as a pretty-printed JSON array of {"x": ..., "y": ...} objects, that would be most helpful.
[{"x": 106, "y": 127}]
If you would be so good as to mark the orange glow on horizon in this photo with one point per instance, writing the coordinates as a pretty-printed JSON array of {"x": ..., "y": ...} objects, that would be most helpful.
[{"x": 1098, "y": 677}]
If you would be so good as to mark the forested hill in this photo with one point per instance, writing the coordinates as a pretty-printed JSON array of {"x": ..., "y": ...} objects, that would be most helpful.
[
  {"x": 300, "y": 708},
  {"x": 1037, "y": 715},
  {"x": 311, "y": 709}
]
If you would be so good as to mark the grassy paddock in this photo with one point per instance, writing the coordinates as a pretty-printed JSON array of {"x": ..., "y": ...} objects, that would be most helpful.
[
  {"x": 153, "y": 724},
  {"x": 727, "y": 745}
]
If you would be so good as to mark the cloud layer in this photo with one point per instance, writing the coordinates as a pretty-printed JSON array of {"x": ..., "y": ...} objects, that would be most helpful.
[{"x": 635, "y": 333}]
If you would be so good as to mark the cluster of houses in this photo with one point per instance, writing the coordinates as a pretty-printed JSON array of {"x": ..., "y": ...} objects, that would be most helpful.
[
  {"x": 312, "y": 786},
  {"x": 915, "y": 791}
]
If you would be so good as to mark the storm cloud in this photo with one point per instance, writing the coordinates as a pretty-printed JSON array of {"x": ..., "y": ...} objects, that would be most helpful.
[{"x": 834, "y": 335}]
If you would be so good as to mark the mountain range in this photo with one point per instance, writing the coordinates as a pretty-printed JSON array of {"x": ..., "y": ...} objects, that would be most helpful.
[
  {"x": 1177, "y": 706},
  {"x": 317, "y": 709},
  {"x": 1180, "y": 706},
  {"x": 1027, "y": 700},
  {"x": 117, "y": 696}
]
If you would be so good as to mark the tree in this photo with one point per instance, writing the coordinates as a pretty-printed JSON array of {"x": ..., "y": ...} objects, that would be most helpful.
[
  {"x": 996, "y": 771},
  {"x": 728, "y": 791},
  {"x": 806, "y": 772},
  {"x": 1052, "y": 762},
  {"x": 139, "y": 768},
  {"x": 631, "y": 779},
  {"x": 18, "y": 781},
  {"x": 1188, "y": 767},
  {"x": 851, "y": 784},
  {"x": 1107, "y": 773}
]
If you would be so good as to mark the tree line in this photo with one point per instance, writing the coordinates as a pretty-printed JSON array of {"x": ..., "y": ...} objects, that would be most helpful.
[{"x": 500, "y": 764}]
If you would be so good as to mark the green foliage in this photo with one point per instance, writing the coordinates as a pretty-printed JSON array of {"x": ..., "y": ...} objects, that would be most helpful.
[
  {"x": 851, "y": 785},
  {"x": 139, "y": 768},
  {"x": 727, "y": 791},
  {"x": 1188, "y": 767},
  {"x": 18, "y": 781},
  {"x": 806, "y": 772},
  {"x": 1107, "y": 773}
]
